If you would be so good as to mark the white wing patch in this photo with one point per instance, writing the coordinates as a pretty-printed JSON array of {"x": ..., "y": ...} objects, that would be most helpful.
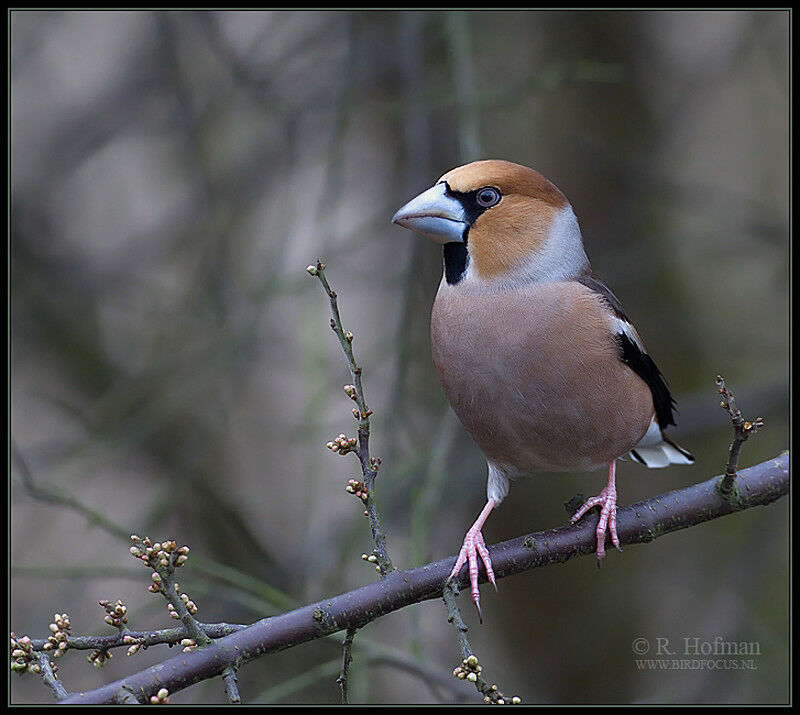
[
  {"x": 618, "y": 325},
  {"x": 654, "y": 452}
]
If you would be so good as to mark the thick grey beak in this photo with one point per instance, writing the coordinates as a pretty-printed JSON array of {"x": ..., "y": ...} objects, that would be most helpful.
[{"x": 435, "y": 215}]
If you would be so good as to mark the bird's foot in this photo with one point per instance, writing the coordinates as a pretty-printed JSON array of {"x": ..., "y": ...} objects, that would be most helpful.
[
  {"x": 473, "y": 547},
  {"x": 607, "y": 501}
]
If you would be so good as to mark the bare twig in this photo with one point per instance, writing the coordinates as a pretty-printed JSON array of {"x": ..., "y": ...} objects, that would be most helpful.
[
  {"x": 454, "y": 616},
  {"x": 369, "y": 465},
  {"x": 641, "y": 522},
  {"x": 347, "y": 658},
  {"x": 470, "y": 668},
  {"x": 49, "y": 676},
  {"x": 231, "y": 685},
  {"x": 742, "y": 429}
]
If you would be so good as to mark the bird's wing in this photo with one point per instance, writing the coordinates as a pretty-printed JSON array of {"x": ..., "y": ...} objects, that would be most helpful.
[{"x": 632, "y": 351}]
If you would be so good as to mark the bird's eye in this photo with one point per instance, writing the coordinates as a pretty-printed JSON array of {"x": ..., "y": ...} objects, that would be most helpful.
[{"x": 488, "y": 196}]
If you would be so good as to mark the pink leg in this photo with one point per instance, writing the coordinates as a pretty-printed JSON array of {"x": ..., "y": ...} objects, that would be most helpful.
[
  {"x": 607, "y": 501},
  {"x": 473, "y": 547}
]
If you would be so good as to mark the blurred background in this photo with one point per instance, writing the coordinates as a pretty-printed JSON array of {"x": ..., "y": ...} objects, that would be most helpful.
[{"x": 173, "y": 373}]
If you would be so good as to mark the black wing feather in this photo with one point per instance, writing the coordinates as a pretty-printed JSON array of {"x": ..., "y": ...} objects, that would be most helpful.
[
  {"x": 642, "y": 364},
  {"x": 634, "y": 357}
]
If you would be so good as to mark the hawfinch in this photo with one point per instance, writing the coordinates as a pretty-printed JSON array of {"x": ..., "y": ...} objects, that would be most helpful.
[{"x": 535, "y": 354}]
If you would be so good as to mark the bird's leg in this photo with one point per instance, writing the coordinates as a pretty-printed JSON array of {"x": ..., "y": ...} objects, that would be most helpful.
[
  {"x": 473, "y": 547},
  {"x": 607, "y": 501}
]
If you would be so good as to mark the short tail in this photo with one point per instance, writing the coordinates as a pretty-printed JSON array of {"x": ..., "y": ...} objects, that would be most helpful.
[{"x": 656, "y": 450}]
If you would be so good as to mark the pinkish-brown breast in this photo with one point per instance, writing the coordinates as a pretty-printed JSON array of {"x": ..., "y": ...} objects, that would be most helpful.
[{"x": 534, "y": 376}]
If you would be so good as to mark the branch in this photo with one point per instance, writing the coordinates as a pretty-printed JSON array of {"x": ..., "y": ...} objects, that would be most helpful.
[
  {"x": 347, "y": 658},
  {"x": 641, "y": 522},
  {"x": 742, "y": 429},
  {"x": 369, "y": 465},
  {"x": 145, "y": 639},
  {"x": 49, "y": 676},
  {"x": 231, "y": 685},
  {"x": 163, "y": 559},
  {"x": 470, "y": 669}
]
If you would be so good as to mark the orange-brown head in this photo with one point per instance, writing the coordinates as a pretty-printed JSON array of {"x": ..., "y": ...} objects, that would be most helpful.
[{"x": 501, "y": 224}]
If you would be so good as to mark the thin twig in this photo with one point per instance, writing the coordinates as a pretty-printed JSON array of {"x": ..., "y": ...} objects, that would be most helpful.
[
  {"x": 639, "y": 523},
  {"x": 742, "y": 429},
  {"x": 164, "y": 559},
  {"x": 49, "y": 676},
  {"x": 193, "y": 627},
  {"x": 164, "y": 636},
  {"x": 369, "y": 465},
  {"x": 347, "y": 658},
  {"x": 231, "y": 685},
  {"x": 454, "y": 616},
  {"x": 470, "y": 668}
]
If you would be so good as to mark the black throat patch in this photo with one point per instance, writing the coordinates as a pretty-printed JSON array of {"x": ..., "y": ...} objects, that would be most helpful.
[
  {"x": 455, "y": 261},
  {"x": 456, "y": 257}
]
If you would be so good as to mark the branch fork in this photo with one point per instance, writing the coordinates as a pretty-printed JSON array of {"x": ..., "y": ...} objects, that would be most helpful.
[{"x": 742, "y": 430}]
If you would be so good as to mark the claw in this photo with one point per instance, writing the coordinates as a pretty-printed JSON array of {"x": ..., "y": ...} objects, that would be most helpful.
[
  {"x": 474, "y": 546},
  {"x": 607, "y": 501}
]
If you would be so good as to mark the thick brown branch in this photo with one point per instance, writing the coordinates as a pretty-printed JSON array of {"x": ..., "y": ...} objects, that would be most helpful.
[{"x": 640, "y": 522}]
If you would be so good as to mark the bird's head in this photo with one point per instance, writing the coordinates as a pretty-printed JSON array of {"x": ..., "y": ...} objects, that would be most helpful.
[{"x": 502, "y": 224}]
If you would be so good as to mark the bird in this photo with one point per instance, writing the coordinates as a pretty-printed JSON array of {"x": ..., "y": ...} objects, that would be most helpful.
[{"x": 535, "y": 354}]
